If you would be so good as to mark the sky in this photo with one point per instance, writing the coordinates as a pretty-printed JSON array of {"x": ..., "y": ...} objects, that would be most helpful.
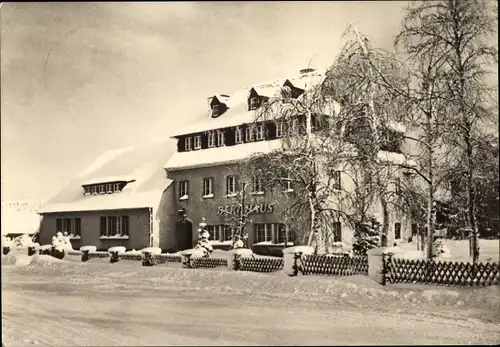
[{"x": 78, "y": 79}]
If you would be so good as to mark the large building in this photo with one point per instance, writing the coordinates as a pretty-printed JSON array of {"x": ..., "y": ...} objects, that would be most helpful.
[
  {"x": 210, "y": 151},
  {"x": 122, "y": 199}
]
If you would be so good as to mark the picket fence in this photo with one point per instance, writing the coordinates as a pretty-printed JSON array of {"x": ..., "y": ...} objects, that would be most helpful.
[
  {"x": 397, "y": 270},
  {"x": 337, "y": 265},
  {"x": 260, "y": 264},
  {"x": 400, "y": 270}
]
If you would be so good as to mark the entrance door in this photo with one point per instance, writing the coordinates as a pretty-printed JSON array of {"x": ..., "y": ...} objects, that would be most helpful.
[{"x": 184, "y": 235}]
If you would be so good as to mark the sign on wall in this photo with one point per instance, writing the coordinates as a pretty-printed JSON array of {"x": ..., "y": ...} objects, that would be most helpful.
[{"x": 251, "y": 208}]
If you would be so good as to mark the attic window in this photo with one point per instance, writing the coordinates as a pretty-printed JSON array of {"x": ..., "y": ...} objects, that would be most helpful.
[
  {"x": 254, "y": 103},
  {"x": 197, "y": 142},
  {"x": 103, "y": 188},
  {"x": 215, "y": 110},
  {"x": 187, "y": 143}
]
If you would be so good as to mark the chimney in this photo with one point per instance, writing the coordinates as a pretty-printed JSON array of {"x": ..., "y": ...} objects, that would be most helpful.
[{"x": 307, "y": 70}]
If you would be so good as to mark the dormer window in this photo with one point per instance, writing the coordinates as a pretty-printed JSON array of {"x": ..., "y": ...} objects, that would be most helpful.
[
  {"x": 238, "y": 135},
  {"x": 197, "y": 142},
  {"x": 211, "y": 139},
  {"x": 215, "y": 110},
  {"x": 221, "y": 140},
  {"x": 254, "y": 102},
  {"x": 104, "y": 188},
  {"x": 187, "y": 143}
]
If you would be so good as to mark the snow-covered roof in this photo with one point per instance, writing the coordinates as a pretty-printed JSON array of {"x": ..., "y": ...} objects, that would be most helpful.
[
  {"x": 123, "y": 178},
  {"x": 143, "y": 165},
  {"x": 237, "y": 103},
  {"x": 220, "y": 155}
]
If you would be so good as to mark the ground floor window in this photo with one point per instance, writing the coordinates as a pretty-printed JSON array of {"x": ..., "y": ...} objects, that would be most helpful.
[
  {"x": 114, "y": 226},
  {"x": 337, "y": 232},
  {"x": 282, "y": 236},
  {"x": 71, "y": 226},
  {"x": 397, "y": 231},
  {"x": 221, "y": 232}
]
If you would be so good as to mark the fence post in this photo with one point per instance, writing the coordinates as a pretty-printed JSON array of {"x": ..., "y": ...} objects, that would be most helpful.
[
  {"x": 114, "y": 257},
  {"x": 186, "y": 260},
  {"x": 296, "y": 257},
  {"x": 386, "y": 267},
  {"x": 148, "y": 259},
  {"x": 85, "y": 255}
]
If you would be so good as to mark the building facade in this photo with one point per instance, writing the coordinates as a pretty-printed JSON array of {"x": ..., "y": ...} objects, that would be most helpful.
[
  {"x": 120, "y": 200},
  {"x": 206, "y": 170}
]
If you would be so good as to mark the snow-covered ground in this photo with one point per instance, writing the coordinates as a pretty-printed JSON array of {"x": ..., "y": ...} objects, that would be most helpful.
[
  {"x": 54, "y": 302},
  {"x": 456, "y": 250}
]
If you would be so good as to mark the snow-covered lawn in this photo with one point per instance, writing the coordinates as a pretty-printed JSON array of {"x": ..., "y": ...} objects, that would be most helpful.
[
  {"x": 489, "y": 250},
  {"x": 66, "y": 302}
]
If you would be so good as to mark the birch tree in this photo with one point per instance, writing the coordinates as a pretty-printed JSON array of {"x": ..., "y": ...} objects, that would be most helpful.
[{"x": 458, "y": 33}]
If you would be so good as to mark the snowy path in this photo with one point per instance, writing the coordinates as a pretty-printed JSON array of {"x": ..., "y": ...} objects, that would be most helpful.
[{"x": 56, "y": 305}]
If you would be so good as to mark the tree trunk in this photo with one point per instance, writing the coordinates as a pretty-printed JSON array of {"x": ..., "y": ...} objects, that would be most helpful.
[
  {"x": 385, "y": 221},
  {"x": 430, "y": 186},
  {"x": 314, "y": 222}
]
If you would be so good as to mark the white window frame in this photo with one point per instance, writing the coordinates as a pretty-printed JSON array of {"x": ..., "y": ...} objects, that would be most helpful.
[
  {"x": 259, "y": 132},
  {"x": 211, "y": 139},
  {"x": 287, "y": 182},
  {"x": 238, "y": 135},
  {"x": 280, "y": 230},
  {"x": 208, "y": 193},
  {"x": 95, "y": 190},
  {"x": 231, "y": 192},
  {"x": 102, "y": 188},
  {"x": 183, "y": 190},
  {"x": 213, "y": 230},
  {"x": 187, "y": 144},
  {"x": 257, "y": 186},
  {"x": 279, "y": 129},
  {"x": 221, "y": 138},
  {"x": 269, "y": 230},
  {"x": 249, "y": 134},
  {"x": 109, "y": 188},
  {"x": 197, "y": 142},
  {"x": 118, "y": 230},
  {"x": 116, "y": 187}
]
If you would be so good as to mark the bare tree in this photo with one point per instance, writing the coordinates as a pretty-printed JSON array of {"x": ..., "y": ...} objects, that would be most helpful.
[
  {"x": 456, "y": 33},
  {"x": 309, "y": 162},
  {"x": 373, "y": 96},
  {"x": 245, "y": 190}
]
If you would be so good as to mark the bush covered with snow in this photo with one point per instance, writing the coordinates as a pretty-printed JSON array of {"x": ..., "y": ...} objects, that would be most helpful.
[
  {"x": 61, "y": 242},
  {"x": 115, "y": 253},
  {"x": 366, "y": 236},
  {"x": 203, "y": 248}
]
